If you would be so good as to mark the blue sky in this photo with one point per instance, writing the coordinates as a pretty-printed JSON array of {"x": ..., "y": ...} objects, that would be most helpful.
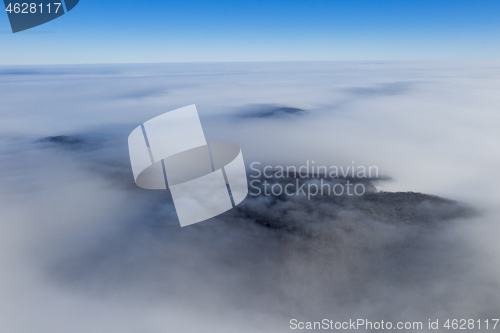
[{"x": 197, "y": 31}]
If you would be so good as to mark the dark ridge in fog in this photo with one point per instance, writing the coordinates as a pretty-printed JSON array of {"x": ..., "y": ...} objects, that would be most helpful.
[
  {"x": 270, "y": 111},
  {"x": 63, "y": 140},
  {"x": 393, "y": 208},
  {"x": 403, "y": 207},
  {"x": 86, "y": 141}
]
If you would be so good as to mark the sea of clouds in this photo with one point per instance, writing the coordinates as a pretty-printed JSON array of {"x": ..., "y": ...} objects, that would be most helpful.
[{"x": 83, "y": 249}]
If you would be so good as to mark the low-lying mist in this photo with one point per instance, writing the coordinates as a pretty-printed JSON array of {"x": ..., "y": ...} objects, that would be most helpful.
[{"x": 82, "y": 248}]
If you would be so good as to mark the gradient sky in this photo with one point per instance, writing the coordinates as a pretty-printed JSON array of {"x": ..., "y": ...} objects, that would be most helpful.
[{"x": 124, "y": 31}]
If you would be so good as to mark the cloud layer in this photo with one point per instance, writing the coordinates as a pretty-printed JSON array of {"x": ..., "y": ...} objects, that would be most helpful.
[{"x": 83, "y": 249}]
